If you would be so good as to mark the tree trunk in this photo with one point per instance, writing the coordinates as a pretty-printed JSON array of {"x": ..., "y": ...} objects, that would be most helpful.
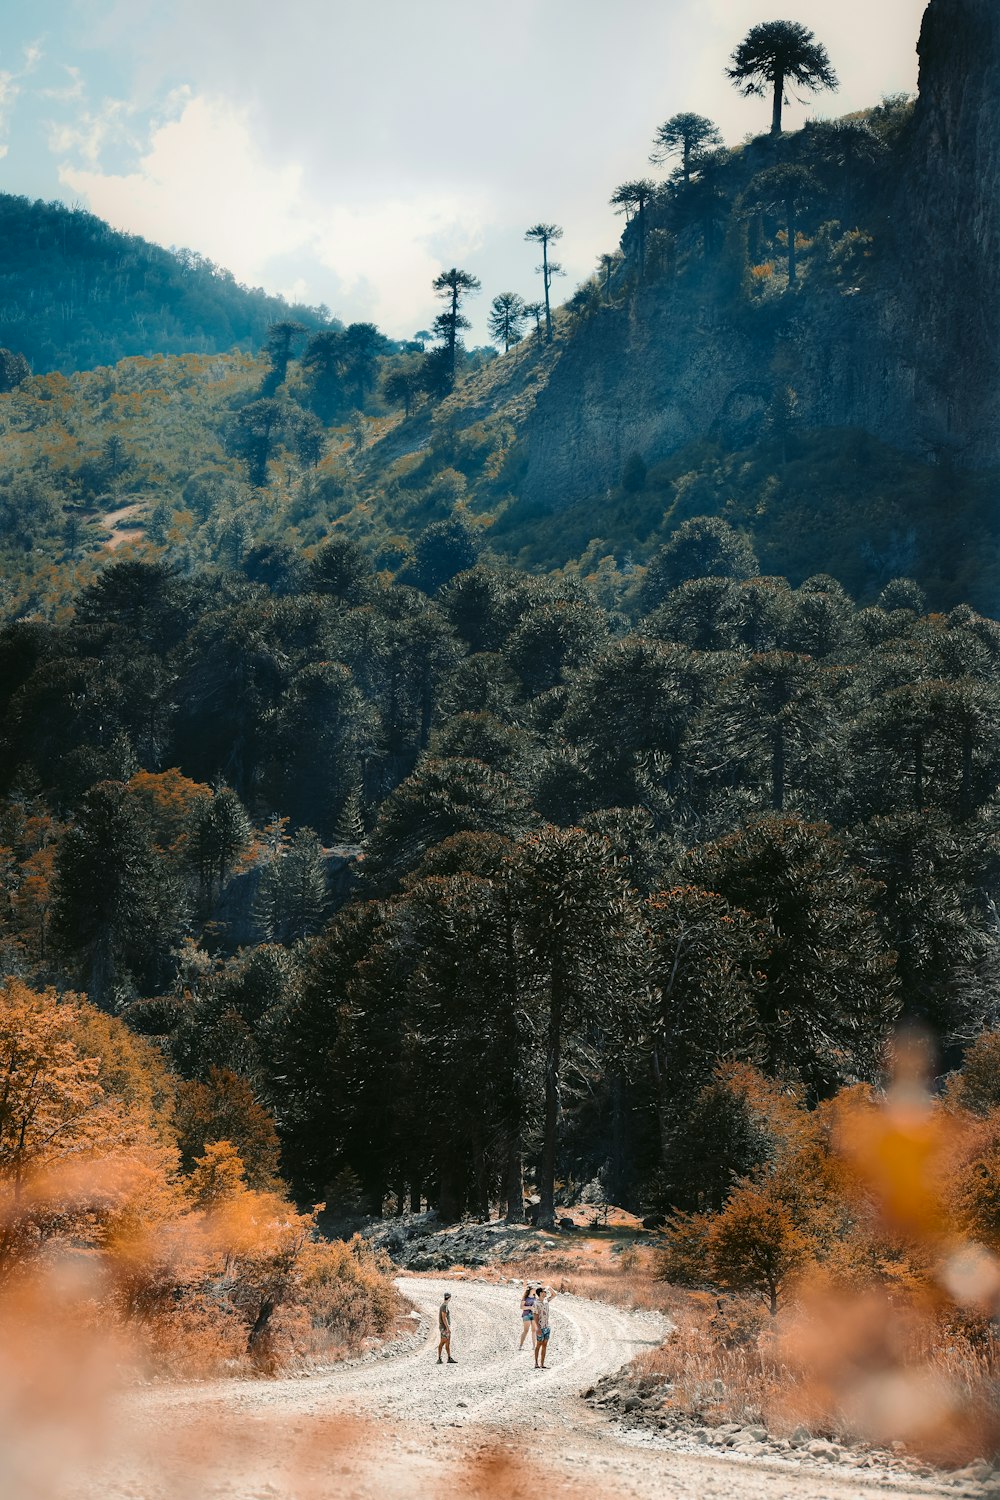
[
  {"x": 454, "y": 331},
  {"x": 514, "y": 1180},
  {"x": 779, "y": 94},
  {"x": 965, "y": 790},
  {"x": 662, "y": 1105},
  {"x": 619, "y": 1142},
  {"x": 259, "y": 1328},
  {"x": 545, "y": 280},
  {"x": 415, "y": 1196},
  {"x": 793, "y": 274},
  {"x": 547, "y": 1184},
  {"x": 452, "y": 1198},
  {"x": 482, "y": 1204},
  {"x": 778, "y": 768}
]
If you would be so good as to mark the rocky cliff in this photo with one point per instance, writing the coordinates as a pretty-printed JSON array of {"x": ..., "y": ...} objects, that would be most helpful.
[{"x": 910, "y": 355}]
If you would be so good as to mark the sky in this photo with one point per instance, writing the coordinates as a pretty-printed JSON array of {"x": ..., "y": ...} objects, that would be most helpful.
[{"x": 345, "y": 151}]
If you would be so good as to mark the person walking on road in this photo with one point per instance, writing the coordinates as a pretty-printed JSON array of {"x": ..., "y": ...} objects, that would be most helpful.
[
  {"x": 444, "y": 1330},
  {"x": 543, "y": 1326},
  {"x": 527, "y": 1315}
]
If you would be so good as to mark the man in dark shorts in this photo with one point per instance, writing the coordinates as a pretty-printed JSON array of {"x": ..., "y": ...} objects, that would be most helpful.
[{"x": 444, "y": 1330}]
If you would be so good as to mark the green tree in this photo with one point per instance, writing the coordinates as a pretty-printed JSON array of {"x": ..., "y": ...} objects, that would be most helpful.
[
  {"x": 443, "y": 550},
  {"x": 255, "y": 433},
  {"x": 506, "y": 319},
  {"x": 546, "y": 235},
  {"x": 282, "y": 338},
  {"x": 685, "y": 135},
  {"x": 452, "y": 286},
  {"x": 702, "y": 978},
  {"x": 772, "y": 718},
  {"x": 323, "y": 363},
  {"x": 704, "y": 547},
  {"x": 631, "y": 199},
  {"x": 222, "y": 834},
  {"x": 402, "y": 386},
  {"x": 14, "y": 370},
  {"x": 607, "y": 265},
  {"x": 775, "y": 55},
  {"x": 829, "y": 993},
  {"x": 360, "y": 347},
  {"x": 441, "y": 798},
  {"x": 340, "y": 570},
  {"x": 120, "y": 907},
  {"x": 294, "y": 896},
  {"x": 579, "y": 929},
  {"x": 786, "y": 189},
  {"x": 536, "y": 310}
]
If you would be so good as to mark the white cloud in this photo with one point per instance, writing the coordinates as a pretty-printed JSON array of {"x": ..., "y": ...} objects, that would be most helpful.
[
  {"x": 90, "y": 133},
  {"x": 10, "y": 85},
  {"x": 204, "y": 182}
]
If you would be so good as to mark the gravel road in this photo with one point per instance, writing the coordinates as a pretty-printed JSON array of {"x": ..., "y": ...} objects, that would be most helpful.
[{"x": 396, "y": 1427}]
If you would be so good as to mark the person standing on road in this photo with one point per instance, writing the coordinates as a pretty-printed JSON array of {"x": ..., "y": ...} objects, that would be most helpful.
[
  {"x": 527, "y": 1315},
  {"x": 444, "y": 1329},
  {"x": 543, "y": 1326}
]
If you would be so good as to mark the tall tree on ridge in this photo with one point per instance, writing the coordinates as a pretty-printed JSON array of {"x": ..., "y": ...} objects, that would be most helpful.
[
  {"x": 506, "y": 319},
  {"x": 536, "y": 310},
  {"x": 606, "y": 264},
  {"x": 544, "y": 235},
  {"x": 685, "y": 134},
  {"x": 787, "y": 189},
  {"x": 453, "y": 285},
  {"x": 280, "y": 340},
  {"x": 776, "y": 53},
  {"x": 631, "y": 199}
]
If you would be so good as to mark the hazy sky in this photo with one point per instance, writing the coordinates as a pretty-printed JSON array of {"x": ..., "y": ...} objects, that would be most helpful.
[{"x": 344, "y": 153}]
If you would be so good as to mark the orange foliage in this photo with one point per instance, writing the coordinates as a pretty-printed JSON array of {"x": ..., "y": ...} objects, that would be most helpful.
[{"x": 204, "y": 1271}]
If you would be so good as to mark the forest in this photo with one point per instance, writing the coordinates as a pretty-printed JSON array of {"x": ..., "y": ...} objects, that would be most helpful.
[
  {"x": 525, "y": 867},
  {"x": 75, "y": 293}
]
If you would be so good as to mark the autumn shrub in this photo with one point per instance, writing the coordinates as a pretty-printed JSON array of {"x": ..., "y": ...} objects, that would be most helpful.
[
  {"x": 201, "y": 1271},
  {"x": 346, "y": 1290},
  {"x": 866, "y": 1258}
]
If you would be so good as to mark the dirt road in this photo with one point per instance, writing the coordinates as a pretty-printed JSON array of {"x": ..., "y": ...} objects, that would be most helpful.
[{"x": 395, "y": 1428}]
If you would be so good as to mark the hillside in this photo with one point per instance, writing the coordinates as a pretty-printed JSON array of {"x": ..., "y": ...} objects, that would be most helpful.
[
  {"x": 75, "y": 293},
  {"x": 842, "y": 409}
]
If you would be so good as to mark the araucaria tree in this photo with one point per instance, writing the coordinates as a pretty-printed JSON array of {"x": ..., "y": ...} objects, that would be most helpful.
[
  {"x": 544, "y": 234},
  {"x": 787, "y": 190},
  {"x": 535, "y": 310},
  {"x": 684, "y": 135},
  {"x": 452, "y": 286},
  {"x": 506, "y": 319},
  {"x": 631, "y": 199},
  {"x": 775, "y": 54}
]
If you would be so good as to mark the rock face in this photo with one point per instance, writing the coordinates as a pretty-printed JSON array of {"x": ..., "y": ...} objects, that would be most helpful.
[
  {"x": 951, "y": 204},
  {"x": 912, "y": 357}
]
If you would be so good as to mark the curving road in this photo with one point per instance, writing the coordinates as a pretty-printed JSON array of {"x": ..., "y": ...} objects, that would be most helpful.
[{"x": 385, "y": 1428}]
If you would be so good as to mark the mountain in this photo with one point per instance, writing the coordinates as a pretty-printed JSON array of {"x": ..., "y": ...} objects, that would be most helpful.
[
  {"x": 840, "y": 411},
  {"x": 75, "y": 293},
  {"x": 848, "y": 420}
]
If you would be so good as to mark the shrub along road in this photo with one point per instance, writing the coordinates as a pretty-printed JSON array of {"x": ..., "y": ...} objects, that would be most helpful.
[{"x": 401, "y": 1425}]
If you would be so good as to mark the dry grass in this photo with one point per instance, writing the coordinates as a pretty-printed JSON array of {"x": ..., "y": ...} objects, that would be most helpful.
[
  {"x": 861, "y": 1369},
  {"x": 591, "y": 1268}
]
